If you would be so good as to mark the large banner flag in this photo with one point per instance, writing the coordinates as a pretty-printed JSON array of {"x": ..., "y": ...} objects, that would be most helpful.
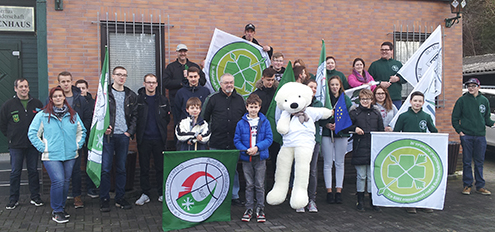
[
  {"x": 427, "y": 86},
  {"x": 197, "y": 187},
  {"x": 428, "y": 54},
  {"x": 274, "y": 112},
  {"x": 99, "y": 124},
  {"x": 321, "y": 77},
  {"x": 409, "y": 169},
  {"x": 353, "y": 93},
  {"x": 237, "y": 56}
]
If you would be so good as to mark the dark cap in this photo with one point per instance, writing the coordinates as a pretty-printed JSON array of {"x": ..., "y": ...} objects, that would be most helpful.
[
  {"x": 473, "y": 81},
  {"x": 249, "y": 26}
]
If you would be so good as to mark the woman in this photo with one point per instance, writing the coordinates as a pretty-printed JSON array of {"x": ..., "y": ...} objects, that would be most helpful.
[
  {"x": 333, "y": 146},
  {"x": 385, "y": 105},
  {"x": 365, "y": 118},
  {"x": 58, "y": 132},
  {"x": 360, "y": 76},
  {"x": 330, "y": 64}
]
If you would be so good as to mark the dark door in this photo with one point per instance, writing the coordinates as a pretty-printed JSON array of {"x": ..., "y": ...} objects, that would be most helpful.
[{"x": 10, "y": 70}]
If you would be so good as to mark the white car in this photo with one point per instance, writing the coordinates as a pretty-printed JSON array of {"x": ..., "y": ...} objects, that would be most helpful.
[{"x": 490, "y": 132}]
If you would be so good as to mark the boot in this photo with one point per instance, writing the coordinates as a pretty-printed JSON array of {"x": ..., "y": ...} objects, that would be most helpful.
[
  {"x": 360, "y": 201},
  {"x": 375, "y": 208},
  {"x": 338, "y": 198},
  {"x": 330, "y": 199}
]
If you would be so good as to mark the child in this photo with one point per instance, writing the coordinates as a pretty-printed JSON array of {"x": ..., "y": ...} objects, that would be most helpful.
[
  {"x": 365, "y": 118},
  {"x": 192, "y": 132},
  {"x": 415, "y": 120},
  {"x": 253, "y": 136}
]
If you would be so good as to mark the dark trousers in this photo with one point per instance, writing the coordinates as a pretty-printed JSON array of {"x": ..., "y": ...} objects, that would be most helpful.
[
  {"x": 17, "y": 156},
  {"x": 146, "y": 149}
]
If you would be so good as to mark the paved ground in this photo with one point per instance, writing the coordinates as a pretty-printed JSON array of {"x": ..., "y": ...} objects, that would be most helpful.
[{"x": 461, "y": 213}]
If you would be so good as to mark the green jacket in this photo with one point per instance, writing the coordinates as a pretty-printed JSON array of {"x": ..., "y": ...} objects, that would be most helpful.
[
  {"x": 326, "y": 131},
  {"x": 410, "y": 121},
  {"x": 471, "y": 115},
  {"x": 345, "y": 83},
  {"x": 382, "y": 70},
  {"x": 316, "y": 103}
]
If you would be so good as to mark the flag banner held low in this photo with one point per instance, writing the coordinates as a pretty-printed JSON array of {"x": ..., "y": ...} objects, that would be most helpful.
[
  {"x": 409, "y": 169},
  {"x": 197, "y": 187}
]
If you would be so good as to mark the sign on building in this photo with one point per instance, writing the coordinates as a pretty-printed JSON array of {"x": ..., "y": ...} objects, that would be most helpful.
[{"x": 14, "y": 18}]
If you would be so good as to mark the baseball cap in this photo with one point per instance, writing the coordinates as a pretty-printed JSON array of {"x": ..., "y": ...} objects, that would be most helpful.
[
  {"x": 249, "y": 26},
  {"x": 181, "y": 47},
  {"x": 473, "y": 81}
]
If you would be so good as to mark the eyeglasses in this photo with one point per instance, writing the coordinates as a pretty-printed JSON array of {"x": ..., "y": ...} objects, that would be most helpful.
[
  {"x": 151, "y": 82},
  {"x": 228, "y": 82},
  {"x": 385, "y": 50},
  {"x": 472, "y": 86},
  {"x": 365, "y": 99},
  {"x": 120, "y": 75}
]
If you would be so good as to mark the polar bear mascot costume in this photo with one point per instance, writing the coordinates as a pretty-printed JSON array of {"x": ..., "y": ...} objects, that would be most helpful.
[{"x": 297, "y": 127}]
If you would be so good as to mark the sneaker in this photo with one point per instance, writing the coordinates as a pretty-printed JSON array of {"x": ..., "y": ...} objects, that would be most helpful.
[
  {"x": 105, "y": 205},
  {"x": 484, "y": 191},
  {"x": 260, "y": 215},
  {"x": 143, "y": 199},
  {"x": 411, "y": 210},
  {"x": 330, "y": 198},
  {"x": 93, "y": 194},
  {"x": 59, "y": 217},
  {"x": 248, "y": 214},
  {"x": 300, "y": 210},
  {"x": 237, "y": 202},
  {"x": 37, "y": 202},
  {"x": 67, "y": 215},
  {"x": 466, "y": 190},
  {"x": 123, "y": 204},
  {"x": 312, "y": 207},
  {"x": 78, "y": 203},
  {"x": 12, "y": 205},
  {"x": 338, "y": 198},
  {"x": 160, "y": 198}
]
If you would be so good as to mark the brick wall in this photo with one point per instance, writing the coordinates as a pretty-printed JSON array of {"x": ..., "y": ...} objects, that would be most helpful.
[{"x": 350, "y": 28}]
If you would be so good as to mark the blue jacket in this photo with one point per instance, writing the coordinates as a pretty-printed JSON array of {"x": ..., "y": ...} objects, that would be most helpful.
[
  {"x": 264, "y": 138},
  {"x": 57, "y": 140}
]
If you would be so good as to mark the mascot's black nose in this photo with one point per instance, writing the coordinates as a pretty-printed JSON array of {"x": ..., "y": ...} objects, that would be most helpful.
[{"x": 294, "y": 105}]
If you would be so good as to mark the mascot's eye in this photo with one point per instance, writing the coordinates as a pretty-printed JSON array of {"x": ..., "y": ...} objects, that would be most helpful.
[{"x": 299, "y": 96}]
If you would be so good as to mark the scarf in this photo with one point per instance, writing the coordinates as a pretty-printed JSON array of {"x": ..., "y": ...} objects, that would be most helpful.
[
  {"x": 60, "y": 112},
  {"x": 360, "y": 78},
  {"x": 303, "y": 117}
]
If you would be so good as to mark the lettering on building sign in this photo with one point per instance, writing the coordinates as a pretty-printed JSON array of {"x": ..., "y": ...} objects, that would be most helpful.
[{"x": 14, "y": 18}]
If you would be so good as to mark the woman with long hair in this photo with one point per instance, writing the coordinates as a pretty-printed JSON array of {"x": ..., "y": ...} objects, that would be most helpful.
[
  {"x": 331, "y": 64},
  {"x": 359, "y": 75},
  {"x": 387, "y": 108},
  {"x": 333, "y": 146},
  {"x": 58, "y": 132}
]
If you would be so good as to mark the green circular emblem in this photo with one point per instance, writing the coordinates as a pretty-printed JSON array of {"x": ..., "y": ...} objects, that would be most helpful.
[
  {"x": 243, "y": 61},
  {"x": 407, "y": 171}
]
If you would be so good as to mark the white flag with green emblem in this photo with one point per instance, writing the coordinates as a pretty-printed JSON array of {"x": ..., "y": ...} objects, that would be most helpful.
[
  {"x": 101, "y": 120},
  {"x": 321, "y": 77}
]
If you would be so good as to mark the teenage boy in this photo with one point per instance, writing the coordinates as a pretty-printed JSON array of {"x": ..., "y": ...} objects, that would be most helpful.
[
  {"x": 415, "y": 120},
  {"x": 151, "y": 135},
  {"x": 191, "y": 89},
  {"x": 253, "y": 136},
  {"x": 192, "y": 132}
]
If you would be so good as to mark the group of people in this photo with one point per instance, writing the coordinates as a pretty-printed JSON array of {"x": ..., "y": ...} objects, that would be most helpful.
[{"x": 218, "y": 121}]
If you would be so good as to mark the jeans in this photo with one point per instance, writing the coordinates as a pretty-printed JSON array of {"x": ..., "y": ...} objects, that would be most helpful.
[
  {"x": 77, "y": 174},
  {"x": 236, "y": 185},
  {"x": 473, "y": 148},
  {"x": 254, "y": 173},
  {"x": 333, "y": 152},
  {"x": 59, "y": 172},
  {"x": 397, "y": 103},
  {"x": 16, "y": 159},
  {"x": 146, "y": 149},
  {"x": 118, "y": 146},
  {"x": 363, "y": 171}
]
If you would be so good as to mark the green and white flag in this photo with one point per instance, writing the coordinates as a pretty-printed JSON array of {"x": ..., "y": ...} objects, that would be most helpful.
[
  {"x": 237, "y": 56},
  {"x": 197, "y": 187},
  {"x": 409, "y": 169},
  {"x": 322, "y": 93},
  {"x": 101, "y": 120}
]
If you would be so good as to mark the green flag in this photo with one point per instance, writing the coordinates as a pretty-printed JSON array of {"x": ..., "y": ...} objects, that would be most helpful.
[
  {"x": 101, "y": 120},
  {"x": 272, "y": 110},
  {"x": 322, "y": 91},
  {"x": 197, "y": 187}
]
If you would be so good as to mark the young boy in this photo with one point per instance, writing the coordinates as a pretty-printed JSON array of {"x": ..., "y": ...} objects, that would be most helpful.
[
  {"x": 253, "y": 136},
  {"x": 415, "y": 120},
  {"x": 192, "y": 132}
]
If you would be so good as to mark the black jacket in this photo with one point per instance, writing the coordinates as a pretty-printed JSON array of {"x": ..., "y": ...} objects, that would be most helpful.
[
  {"x": 266, "y": 94},
  {"x": 173, "y": 77},
  {"x": 222, "y": 113},
  {"x": 183, "y": 95},
  {"x": 162, "y": 115},
  {"x": 130, "y": 107},
  {"x": 15, "y": 120},
  {"x": 368, "y": 120}
]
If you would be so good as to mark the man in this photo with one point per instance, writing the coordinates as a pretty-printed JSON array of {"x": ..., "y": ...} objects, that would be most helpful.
[
  {"x": 175, "y": 75},
  {"x": 190, "y": 89},
  {"x": 16, "y": 115},
  {"x": 385, "y": 70},
  {"x": 278, "y": 65},
  {"x": 470, "y": 115},
  {"x": 84, "y": 87},
  {"x": 85, "y": 112},
  {"x": 300, "y": 74},
  {"x": 123, "y": 119},
  {"x": 265, "y": 88},
  {"x": 249, "y": 32},
  {"x": 151, "y": 135},
  {"x": 222, "y": 111}
]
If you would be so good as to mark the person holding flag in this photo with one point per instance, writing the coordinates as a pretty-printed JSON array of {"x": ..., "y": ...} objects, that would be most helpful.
[
  {"x": 334, "y": 142},
  {"x": 360, "y": 76}
]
